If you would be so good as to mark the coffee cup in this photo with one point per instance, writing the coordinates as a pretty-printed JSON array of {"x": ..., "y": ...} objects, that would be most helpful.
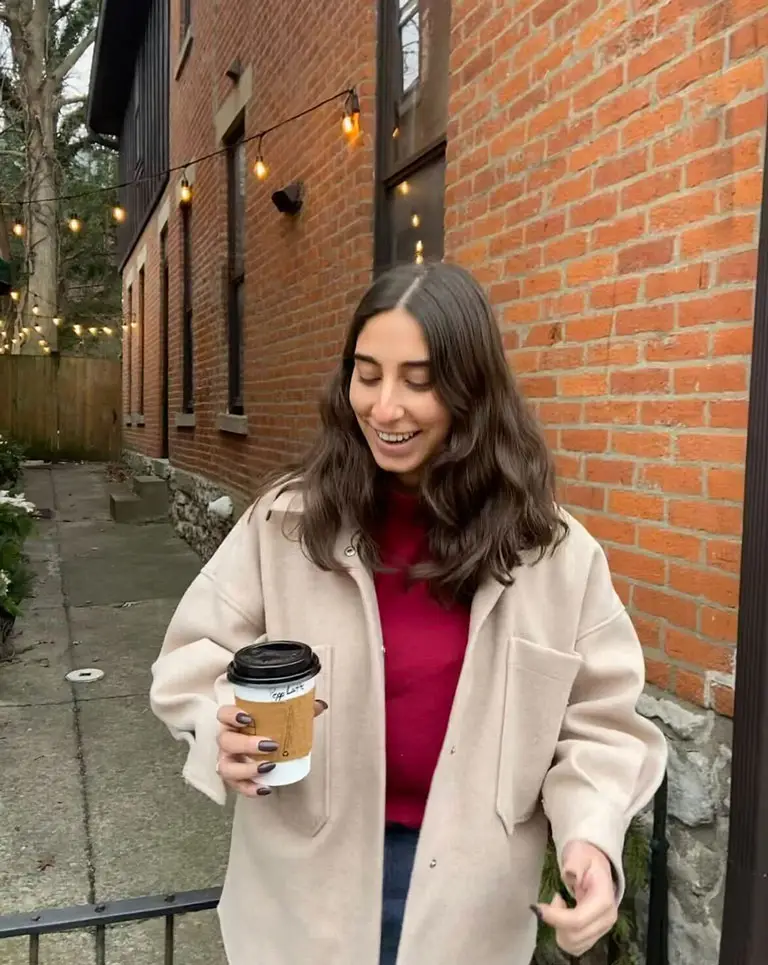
[{"x": 274, "y": 684}]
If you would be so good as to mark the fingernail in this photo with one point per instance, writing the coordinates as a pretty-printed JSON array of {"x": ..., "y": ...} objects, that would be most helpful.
[
  {"x": 266, "y": 767},
  {"x": 264, "y": 791},
  {"x": 243, "y": 719},
  {"x": 268, "y": 746},
  {"x": 536, "y": 912},
  {"x": 323, "y": 704}
]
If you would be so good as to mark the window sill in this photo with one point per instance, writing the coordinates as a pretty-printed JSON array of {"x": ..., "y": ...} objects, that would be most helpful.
[
  {"x": 236, "y": 425},
  {"x": 184, "y": 420},
  {"x": 186, "y": 46},
  {"x": 126, "y": 420},
  {"x": 137, "y": 419}
]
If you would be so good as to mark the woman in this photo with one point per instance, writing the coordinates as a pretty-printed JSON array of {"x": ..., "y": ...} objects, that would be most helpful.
[{"x": 479, "y": 676}]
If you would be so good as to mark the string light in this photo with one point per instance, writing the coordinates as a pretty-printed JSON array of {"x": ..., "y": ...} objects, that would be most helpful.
[
  {"x": 41, "y": 342},
  {"x": 15, "y": 295},
  {"x": 404, "y": 188},
  {"x": 260, "y": 168},
  {"x": 18, "y": 228},
  {"x": 74, "y": 224},
  {"x": 415, "y": 220},
  {"x": 350, "y": 122},
  {"x": 118, "y": 214},
  {"x": 38, "y": 329},
  {"x": 185, "y": 191},
  {"x": 107, "y": 330},
  {"x": 77, "y": 329},
  {"x": 46, "y": 349},
  {"x": 25, "y": 330},
  {"x": 56, "y": 320},
  {"x": 93, "y": 330},
  {"x": 35, "y": 309}
]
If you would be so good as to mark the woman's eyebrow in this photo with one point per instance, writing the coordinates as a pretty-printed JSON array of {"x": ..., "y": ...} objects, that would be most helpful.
[{"x": 370, "y": 360}]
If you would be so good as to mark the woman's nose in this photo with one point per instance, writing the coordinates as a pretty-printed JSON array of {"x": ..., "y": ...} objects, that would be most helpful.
[{"x": 387, "y": 407}]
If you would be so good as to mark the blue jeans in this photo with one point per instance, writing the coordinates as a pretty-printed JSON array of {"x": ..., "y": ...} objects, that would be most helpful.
[{"x": 399, "y": 852}]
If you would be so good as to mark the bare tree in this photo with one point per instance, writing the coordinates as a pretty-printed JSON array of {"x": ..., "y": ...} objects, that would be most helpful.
[{"x": 47, "y": 39}]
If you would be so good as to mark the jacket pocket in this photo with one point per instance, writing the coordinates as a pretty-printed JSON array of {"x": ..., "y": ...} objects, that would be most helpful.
[
  {"x": 306, "y": 806},
  {"x": 537, "y": 691}
]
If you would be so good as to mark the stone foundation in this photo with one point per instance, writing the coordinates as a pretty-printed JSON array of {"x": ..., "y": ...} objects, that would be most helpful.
[{"x": 699, "y": 754}]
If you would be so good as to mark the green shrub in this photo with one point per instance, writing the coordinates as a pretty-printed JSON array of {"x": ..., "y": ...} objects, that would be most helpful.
[
  {"x": 16, "y": 577},
  {"x": 11, "y": 459}
]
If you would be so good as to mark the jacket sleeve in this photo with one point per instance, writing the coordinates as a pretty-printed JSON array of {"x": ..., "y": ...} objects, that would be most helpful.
[
  {"x": 220, "y": 612},
  {"x": 609, "y": 760}
]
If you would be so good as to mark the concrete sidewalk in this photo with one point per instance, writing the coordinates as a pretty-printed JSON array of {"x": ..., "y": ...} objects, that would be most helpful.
[{"x": 92, "y": 804}]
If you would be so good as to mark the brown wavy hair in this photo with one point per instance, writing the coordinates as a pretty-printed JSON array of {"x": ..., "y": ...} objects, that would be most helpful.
[{"x": 488, "y": 494}]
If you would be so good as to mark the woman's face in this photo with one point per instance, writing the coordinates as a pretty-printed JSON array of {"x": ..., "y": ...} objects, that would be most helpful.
[{"x": 392, "y": 395}]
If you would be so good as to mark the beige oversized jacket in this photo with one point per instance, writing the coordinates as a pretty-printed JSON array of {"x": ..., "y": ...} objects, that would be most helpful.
[{"x": 543, "y": 727}]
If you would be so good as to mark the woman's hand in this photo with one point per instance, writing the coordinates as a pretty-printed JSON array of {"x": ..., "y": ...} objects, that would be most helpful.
[
  {"x": 589, "y": 877},
  {"x": 238, "y": 764}
]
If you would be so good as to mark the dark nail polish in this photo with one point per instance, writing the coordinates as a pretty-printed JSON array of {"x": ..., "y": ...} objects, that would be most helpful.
[
  {"x": 268, "y": 746},
  {"x": 264, "y": 791},
  {"x": 266, "y": 767},
  {"x": 244, "y": 719},
  {"x": 323, "y": 704},
  {"x": 536, "y": 912}
]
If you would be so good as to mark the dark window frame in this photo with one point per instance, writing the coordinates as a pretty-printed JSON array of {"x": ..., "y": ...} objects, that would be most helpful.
[
  {"x": 164, "y": 280},
  {"x": 392, "y": 101},
  {"x": 234, "y": 142},
  {"x": 142, "y": 336},
  {"x": 187, "y": 339},
  {"x": 128, "y": 352}
]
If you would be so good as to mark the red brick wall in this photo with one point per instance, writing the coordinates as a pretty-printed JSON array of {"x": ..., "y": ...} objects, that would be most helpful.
[{"x": 604, "y": 179}]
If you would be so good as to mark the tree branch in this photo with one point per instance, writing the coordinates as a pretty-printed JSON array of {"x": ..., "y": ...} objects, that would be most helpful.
[
  {"x": 60, "y": 73},
  {"x": 66, "y": 101}
]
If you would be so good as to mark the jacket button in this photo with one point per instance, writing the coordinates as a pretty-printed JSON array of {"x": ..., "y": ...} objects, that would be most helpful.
[
  {"x": 433, "y": 863},
  {"x": 349, "y": 551},
  {"x": 453, "y": 750}
]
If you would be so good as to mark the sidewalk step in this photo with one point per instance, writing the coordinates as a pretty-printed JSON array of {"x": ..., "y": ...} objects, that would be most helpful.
[
  {"x": 153, "y": 492},
  {"x": 125, "y": 507},
  {"x": 148, "y": 505}
]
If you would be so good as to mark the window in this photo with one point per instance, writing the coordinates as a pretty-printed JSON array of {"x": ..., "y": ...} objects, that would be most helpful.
[
  {"x": 142, "y": 341},
  {"x": 128, "y": 351},
  {"x": 236, "y": 175},
  {"x": 187, "y": 385},
  {"x": 413, "y": 117},
  {"x": 186, "y": 18}
]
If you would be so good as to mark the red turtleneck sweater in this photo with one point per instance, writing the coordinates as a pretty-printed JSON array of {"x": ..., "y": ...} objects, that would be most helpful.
[{"x": 424, "y": 645}]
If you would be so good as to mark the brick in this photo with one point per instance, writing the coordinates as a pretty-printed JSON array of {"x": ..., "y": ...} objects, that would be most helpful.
[
  {"x": 689, "y": 686},
  {"x": 562, "y": 357},
  {"x": 538, "y": 387},
  {"x": 724, "y": 555},
  {"x": 749, "y": 38},
  {"x": 572, "y": 246},
  {"x": 641, "y": 443},
  {"x": 651, "y": 254},
  {"x": 610, "y": 413},
  {"x": 586, "y": 329},
  {"x": 726, "y": 484},
  {"x": 612, "y": 353},
  {"x": 546, "y": 174},
  {"x": 575, "y": 16},
  {"x": 619, "y": 472},
  {"x": 590, "y": 269},
  {"x": 731, "y": 232},
  {"x": 563, "y": 78},
  {"x": 733, "y": 341},
  {"x": 714, "y": 378},
  {"x": 701, "y": 63},
  {"x": 598, "y": 88},
  {"x": 548, "y": 117},
  {"x": 623, "y": 106},
  {"x": 570, "y": 134},
  {"x": 673, "y": 348},
  {"x": 729, "y": 414},
  {"x": 705, "y": 517},
  {"x": 618, "y": 232},
  {"x": 583, "y": 385},
  {"x": 747, "y": 116},
  {"x": 719, "y": 624},
  {"x": 698, "y": 137},
  {"x": 550, "y": 227},
  {"x": 545, "y": 281},
  {"x": 657, "y": 673},
  {"x": 729, "y": 85},
  {"x": 636, "y": 505},
  {"x": 722, "y": 588},
  {"x": 572, "y": 190},
  {"x": 588, "y": 154},
  {"x": 608, "y": 530},
  {"x": 589, "y": 497},
  {"x": 637, "y": 566},
  {"x": 685, "y": 210},
  {"x": 621, "y": 292},
  {"x": 741, "y": 267},
  {"x": 744, "y": 191},
  {"x": 742, "y": 156},
  {"x": 604, "y": 24},
  {"x": 677, "y": 281},
  {"x": 679, "y": 610},
  {"x": 642, "y": 382},
  {"x": 567, "y": 466},
  {"x": 521, "y": 264},
  {"x": 600, "y": 208},
  {"x": 662, "y": 52},
  {"x": 714, "y": 448},
  {"x": 723, "y": 699},
  {"x": 650, "y": 124},
  {"x": 651, "y": 188},
  {"x": 728, "y": 306},
  {"x": 665, "y": 542},
  {"x": 689, "y": 649},
  {"x": 656, "y": 318},
  {"x": 685, "y": 480},
  {"x": 569, "y": 303},
  {"x": 545, "y": 10},
  {"x": 584, "y": 440},
  {"x": 674, "y": 412},
  {"x": 560, "y": 413}
]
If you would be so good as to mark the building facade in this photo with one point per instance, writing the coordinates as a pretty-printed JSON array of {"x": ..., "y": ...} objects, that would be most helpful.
[{"x": 597, "y": 163}]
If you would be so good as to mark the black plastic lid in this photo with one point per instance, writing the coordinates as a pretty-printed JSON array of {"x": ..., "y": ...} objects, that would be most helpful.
[{"x": 276, "y": 662}]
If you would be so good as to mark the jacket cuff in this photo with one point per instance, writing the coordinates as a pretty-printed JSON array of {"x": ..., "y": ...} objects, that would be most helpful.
[
  {"x": 199, "y": 770},
  {"x": 605, "y": 829}
]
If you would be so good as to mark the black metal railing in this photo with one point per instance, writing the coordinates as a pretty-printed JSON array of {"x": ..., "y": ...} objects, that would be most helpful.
[{"x": 99, "y": 917}]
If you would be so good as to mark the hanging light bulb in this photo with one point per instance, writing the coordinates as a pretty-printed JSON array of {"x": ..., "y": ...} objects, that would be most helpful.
[
  {"x": 93, "y": 330},
  {"x": 15, "y": 295},
  {"x": 41, "y": 342},
  {"x": 18, "y": 228},
  {"x": 185, "y": 191},
  {"x": 415, "y": 220},
  {"x": 35, "y": 309},
  {"x": 38, "y": 329},
  {"x": 15, "y": 340},
  {"x": 78, "y": 329},
  {"x": 125, "y": 326},
  {"x": 404, "y": 188},
  {"x": 46, "y": 350},
  {"x": 118, "y": 214},
  {"x": 56, "y": 320},
  {"x": 134, "y": 323},
  {"x": 350, "y": 121},
  {"x": 25, "y": 330},
  {"x": 107, "y": 330},
  {"x": 260, "y": 168},
  {"x": 74, "y": 224}
]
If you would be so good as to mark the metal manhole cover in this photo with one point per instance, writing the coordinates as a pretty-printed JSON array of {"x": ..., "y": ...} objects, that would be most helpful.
[{"x": 85, "y": 676}]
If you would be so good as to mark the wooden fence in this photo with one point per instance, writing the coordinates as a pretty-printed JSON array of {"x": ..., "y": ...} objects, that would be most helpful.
[{"x": 62, "y": 407}]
